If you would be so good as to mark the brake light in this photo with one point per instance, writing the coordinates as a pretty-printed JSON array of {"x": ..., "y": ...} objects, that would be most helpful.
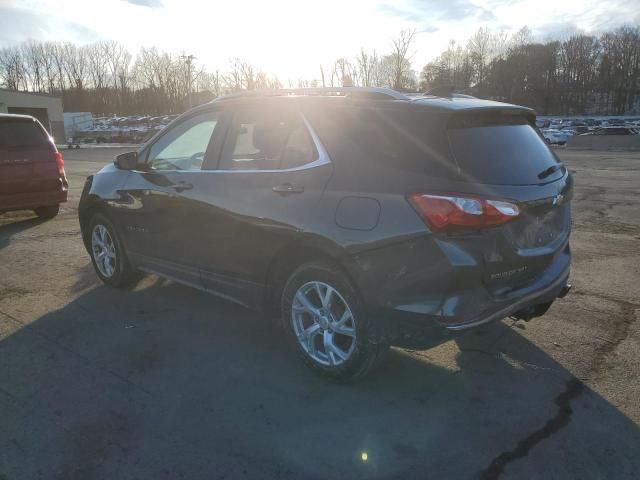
[
  {"x": 454, "y": 212},
  {"x": 59, "y": 162}
]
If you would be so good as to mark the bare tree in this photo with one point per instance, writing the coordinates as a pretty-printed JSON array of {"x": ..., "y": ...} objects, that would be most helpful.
[
  {"x": 518, "y": 40},
  {"x": 33, "y": 61},
  {"x": 58, "y": 55},
  {"x": 97, "y": 56},
  {"x": 248, "y": 75},
  {"x": 452, "y": 67},
  {"x": 233, "y": 79},
  {"x": 211, "y": 82},
  {"x": 49, "y": 66},
  {"x": 481, "y": 48},
  {"x": 620, "y": 68},
  {"x": 400, "y": 59},
  {"x": 368, "y": 64},
  {"x": 12, "y": 69},
  {"x": 577, "y": 72},
  {"x": 76, "y": 65},
  {"x": 343, "y": 73}
]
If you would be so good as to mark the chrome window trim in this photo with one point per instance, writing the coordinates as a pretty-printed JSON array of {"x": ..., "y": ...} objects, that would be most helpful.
[{"x": 323, "y": 159}]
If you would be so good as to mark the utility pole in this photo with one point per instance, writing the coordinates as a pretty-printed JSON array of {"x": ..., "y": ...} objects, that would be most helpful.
[{"x": 188, "y": 60}]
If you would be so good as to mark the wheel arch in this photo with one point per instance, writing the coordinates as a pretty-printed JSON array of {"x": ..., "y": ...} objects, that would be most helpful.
[
  {"x": 93, "y": 205},
  {"x": 291, "y": 256}
]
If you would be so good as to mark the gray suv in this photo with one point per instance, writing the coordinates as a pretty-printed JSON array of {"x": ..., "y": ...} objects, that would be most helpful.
[{"x": 361, "y": 218}]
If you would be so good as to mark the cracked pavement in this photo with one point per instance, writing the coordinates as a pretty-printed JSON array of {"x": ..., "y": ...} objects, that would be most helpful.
[{"x": 165, "y": 382}]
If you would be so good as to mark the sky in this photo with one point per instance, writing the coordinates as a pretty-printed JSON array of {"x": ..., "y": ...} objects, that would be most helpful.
[{"x": 292, "y": 38}]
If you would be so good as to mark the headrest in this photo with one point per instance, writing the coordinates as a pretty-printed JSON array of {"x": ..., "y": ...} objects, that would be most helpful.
[{"x": 269, "y": 137}]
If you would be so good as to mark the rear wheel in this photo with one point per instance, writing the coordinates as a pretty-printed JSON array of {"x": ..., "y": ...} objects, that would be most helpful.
[
  {"x": 107, "y": 253},
  {"x": 326, "y": 323},
  {"x": 47, "y": 212}
]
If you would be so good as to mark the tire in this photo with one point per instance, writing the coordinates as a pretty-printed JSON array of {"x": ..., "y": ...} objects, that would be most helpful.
[
  {"x": 47, "y": 212},
  {"x": 114, "y": 270},
  {"x": 356, "y": 353}
]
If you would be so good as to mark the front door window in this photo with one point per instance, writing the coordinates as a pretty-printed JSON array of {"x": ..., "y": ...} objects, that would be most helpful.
[{"x": 184, "y": 147}]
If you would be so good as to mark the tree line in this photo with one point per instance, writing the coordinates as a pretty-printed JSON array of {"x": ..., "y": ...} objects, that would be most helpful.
[
  {"x": 580, "y": 74},
  {"x": 103, "y": 77}
]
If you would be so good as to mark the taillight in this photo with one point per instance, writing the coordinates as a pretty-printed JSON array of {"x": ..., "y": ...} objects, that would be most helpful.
[
  {"x": 59, "y": 162},
  {"x": 458, "y": 211}
]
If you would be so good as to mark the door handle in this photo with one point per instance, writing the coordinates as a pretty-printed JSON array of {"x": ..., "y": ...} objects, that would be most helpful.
[
  {"x": 181, "y": 186},
  {"x": 287, "y": 188}
]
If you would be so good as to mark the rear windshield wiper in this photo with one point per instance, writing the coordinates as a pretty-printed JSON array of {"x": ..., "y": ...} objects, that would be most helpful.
[{"x": 548, "y": 171}]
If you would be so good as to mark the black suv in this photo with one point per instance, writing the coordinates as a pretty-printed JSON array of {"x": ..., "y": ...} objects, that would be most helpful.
[{"x": 362, "y": 218}]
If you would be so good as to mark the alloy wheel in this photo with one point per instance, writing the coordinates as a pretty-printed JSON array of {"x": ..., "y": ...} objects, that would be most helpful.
[
  {"x": 104, "y": 250},
  {"x": 323, "y": 323}
]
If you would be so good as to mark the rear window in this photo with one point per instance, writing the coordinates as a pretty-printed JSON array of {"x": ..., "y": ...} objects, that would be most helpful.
[
  {"x": 21, "y": 133},
  {"x": 500, "y": 150}
]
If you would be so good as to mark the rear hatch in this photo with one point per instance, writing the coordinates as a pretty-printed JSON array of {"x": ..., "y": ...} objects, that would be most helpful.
[
  {"x": 27, "y": 161},
  {"x": 500, "y": 154}
]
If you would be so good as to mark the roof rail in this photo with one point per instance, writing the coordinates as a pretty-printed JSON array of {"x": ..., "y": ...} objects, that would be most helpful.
[
  {"x": 364, "y": 92},
  {"x": 446, "y": 91}
]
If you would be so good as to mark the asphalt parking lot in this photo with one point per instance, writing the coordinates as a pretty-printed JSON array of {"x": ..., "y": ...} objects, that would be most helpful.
[{"x": 165, "y": 382}]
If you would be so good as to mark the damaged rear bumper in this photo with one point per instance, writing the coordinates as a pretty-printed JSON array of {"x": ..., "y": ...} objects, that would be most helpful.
[{"x": 415, "y": 330}]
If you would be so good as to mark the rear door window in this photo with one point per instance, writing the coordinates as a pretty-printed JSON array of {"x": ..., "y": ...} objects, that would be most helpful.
[
  {"x": 267, "y": 139},
  {"x": 21, "y": 133},
  {"x": 500, "y": 150}
]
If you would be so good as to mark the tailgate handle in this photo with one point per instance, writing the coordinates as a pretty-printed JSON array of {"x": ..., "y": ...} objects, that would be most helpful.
[{"x": 287, "y": 188}]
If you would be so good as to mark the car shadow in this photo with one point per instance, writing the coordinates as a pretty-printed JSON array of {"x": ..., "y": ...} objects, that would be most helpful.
[
  {"x": 10, "y": 226},
  {"x": 166, "y": 382}
]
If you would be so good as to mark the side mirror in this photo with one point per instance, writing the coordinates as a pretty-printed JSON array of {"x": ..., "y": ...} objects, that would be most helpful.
[{"x": 127, "y": 161}]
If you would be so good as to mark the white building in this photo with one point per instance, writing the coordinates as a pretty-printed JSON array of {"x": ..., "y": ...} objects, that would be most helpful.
[{"x": 46, "y": 108}]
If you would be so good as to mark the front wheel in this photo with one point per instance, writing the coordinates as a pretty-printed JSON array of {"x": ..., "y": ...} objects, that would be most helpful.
[
  {"x": 107, "y": 253},
  {"x": 326, "y": 323}
]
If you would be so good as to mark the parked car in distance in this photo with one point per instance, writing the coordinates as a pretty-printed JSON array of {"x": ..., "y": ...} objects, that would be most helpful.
[
  {"x": 32, "y": 175},
  {"x": 360, "y": 217},
  {"x": 556, "y": 137},
  {"x": 614, "y": 131},
  {"x": 576, "y": 129}
]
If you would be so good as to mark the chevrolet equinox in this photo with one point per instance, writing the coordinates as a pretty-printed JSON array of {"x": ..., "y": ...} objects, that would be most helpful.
[{"x": 361, "y": 217}]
